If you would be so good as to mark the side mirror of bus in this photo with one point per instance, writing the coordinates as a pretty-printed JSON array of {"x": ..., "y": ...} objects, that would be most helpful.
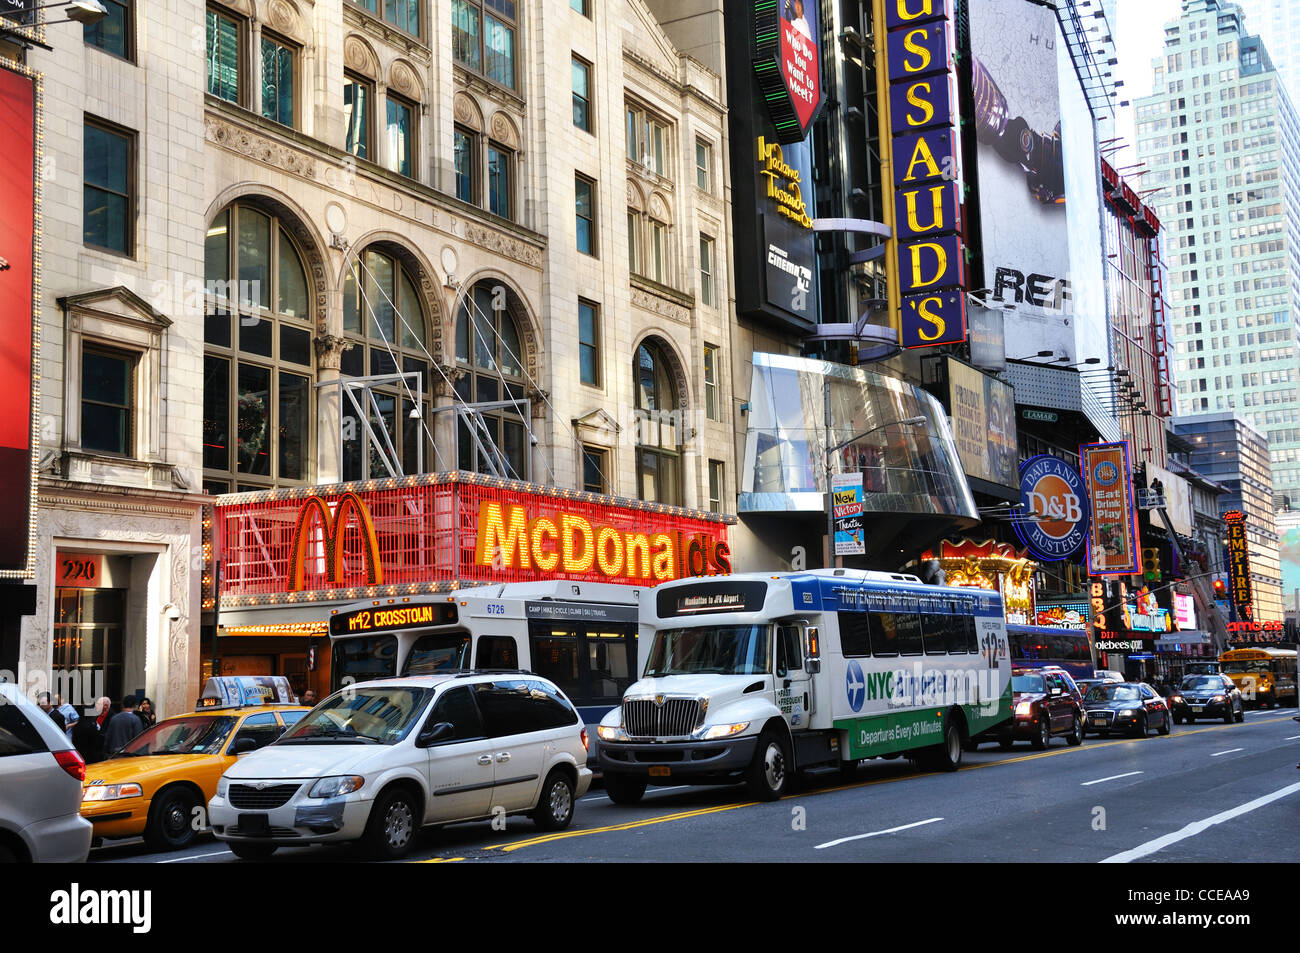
[{"x": 442, "y": 731}]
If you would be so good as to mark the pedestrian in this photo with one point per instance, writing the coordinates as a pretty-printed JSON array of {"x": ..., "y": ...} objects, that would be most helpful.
[
  {"x": 88, "y": 735},
  {"x": 69, "y": 712},
  {"x": 146, "y": 713},
  {"x": 43, "y": 700},
  {"x": 308, "y": 698},
  {"x": 122, "y": 727}
]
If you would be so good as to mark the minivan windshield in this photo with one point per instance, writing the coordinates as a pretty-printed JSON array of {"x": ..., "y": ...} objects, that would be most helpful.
[
  {"x": 379, "y": 715},
  {"x": 714, "y": 650}
]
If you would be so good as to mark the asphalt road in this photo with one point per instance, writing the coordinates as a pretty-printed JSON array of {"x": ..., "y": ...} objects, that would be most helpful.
[{"x": 1206, "y": 793}]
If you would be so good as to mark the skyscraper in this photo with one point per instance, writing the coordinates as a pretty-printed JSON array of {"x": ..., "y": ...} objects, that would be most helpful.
[
  {"x": 1220, "y": 138},
  {"x": 1278, "y": 25}
]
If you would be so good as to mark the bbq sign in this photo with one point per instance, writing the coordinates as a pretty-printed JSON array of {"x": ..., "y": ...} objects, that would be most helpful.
[
  {"x": 787, "y": 64},
  {"x": 919, "y": 61},
  {"x": 1054, "y": 522}
]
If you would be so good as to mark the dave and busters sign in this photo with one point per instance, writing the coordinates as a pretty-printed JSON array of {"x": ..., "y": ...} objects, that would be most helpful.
[
  {"x": 1053, "y": 521},
  {"x": 922, "y": 143}
]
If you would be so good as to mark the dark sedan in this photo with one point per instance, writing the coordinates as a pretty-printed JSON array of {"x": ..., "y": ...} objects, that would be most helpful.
[
  {"x": 1125, "y": 707},
  {"x": 1207, "y": 696}
]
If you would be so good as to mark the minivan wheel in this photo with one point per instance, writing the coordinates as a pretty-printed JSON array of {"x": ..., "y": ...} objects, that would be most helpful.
[
  {"x": 246, "y": 851},
  {"x": 554, "y": 810},
  {"x": 392, "y": 825},
  {"x": 769, "y": 773}
]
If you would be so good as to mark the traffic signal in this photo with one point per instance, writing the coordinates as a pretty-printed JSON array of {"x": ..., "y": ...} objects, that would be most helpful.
[
  {"x": 1151, "y": 564},
  {"x": 1220, "y": 589}
]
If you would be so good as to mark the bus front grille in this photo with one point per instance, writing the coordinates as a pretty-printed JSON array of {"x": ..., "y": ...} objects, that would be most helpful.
[{"x": 670, "y": 718}]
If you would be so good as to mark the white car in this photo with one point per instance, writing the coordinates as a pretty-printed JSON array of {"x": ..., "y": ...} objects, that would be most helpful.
[
  {"x": 379, "y": 760},
  {"x": 40, "y": 786}
]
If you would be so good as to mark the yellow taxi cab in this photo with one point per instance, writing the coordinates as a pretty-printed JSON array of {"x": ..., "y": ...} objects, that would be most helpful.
[{"x": 159, "y": 784}]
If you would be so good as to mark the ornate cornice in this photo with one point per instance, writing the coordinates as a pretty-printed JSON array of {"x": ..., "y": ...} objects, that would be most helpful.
[
  {"x": 255, "y": 146},
  {"x": 661, "y": 301}
]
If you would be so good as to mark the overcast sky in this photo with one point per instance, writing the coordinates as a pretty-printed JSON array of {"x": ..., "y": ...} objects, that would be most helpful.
[{"x": 1139, "y": 37}]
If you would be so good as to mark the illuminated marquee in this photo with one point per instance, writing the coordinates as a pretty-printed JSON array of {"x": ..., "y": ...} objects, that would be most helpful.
[
  {"x": 923, "y": 116},
  {"x": 1239, "y": 565},
  {"x": 570, "y": 544},
  {"x": 348, "y": 504}
]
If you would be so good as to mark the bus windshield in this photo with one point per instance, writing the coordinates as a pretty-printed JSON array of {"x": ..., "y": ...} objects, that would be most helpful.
[
  {"x": 1243, "y": 666},
  {"x": 364, "y": 658},
  {"x": 715, "y": 650}
]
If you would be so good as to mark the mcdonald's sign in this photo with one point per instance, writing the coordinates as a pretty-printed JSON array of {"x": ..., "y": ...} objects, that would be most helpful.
[{"x": 332, "y": 528}]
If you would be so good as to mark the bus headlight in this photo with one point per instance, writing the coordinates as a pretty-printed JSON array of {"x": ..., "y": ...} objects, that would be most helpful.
[
  {"x": 608, "y": 733},
  {"x": 724, "y": 731}
]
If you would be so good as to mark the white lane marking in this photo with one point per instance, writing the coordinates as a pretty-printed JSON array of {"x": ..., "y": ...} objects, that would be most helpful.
[
  {"x": 1229, "y": 751},
  {"x": 1292, "y": 738},
  {"x": 1196, "y": 827},
  {"x": 892, "y": 830},
  {"x": 605, "y": 797},
  {"x": 181, "y": 860},
  {"x": 1113, "y": 777}
]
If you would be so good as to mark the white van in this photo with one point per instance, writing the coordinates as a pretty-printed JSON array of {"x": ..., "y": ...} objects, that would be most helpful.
[{"x": 377, "y": 761}]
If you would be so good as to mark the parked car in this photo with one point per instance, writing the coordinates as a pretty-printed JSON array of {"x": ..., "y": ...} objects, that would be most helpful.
[
  {"x": 40, "y": 786},
  {"x": 153, "y": 786},
  {"x": 377, "y": 761},
  {"x": 1045, "y": 703},
  {"x": 1207, "y": 696},
  {"x": 1130, "y": 707}
]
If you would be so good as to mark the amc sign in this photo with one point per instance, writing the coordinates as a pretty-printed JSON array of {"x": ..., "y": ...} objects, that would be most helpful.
[{"x": 923, "y": 117}]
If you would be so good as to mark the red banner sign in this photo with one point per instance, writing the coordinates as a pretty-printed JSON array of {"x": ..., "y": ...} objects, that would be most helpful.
[
  {"x": 439, "y": 532},
  {"x": 1113, "y": 532}
]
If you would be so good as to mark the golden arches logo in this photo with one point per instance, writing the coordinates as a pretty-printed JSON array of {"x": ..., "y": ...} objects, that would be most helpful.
[{"x": 332, "y": 528}]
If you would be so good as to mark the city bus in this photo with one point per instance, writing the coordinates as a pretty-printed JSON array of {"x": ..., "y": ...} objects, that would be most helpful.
[
  {"x": 1036, "y": 646},
  {"x": 756, "y": 676},
  {"x": 581, "y": 636},
  {"x": 1267, "y": 675}
]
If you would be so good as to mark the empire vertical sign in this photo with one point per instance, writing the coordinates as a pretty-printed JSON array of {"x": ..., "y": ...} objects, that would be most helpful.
[
  {"x": 1239, "y": 565},
  {"x": 923, "y": 117}
]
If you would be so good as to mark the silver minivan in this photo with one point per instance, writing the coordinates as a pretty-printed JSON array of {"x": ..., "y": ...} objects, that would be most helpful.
[
  {"x": 40, "y": 786},
  {"x": 376, "y": 761}
]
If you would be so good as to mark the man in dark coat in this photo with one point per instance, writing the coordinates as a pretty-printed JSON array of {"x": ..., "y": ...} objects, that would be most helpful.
[
  {"x": 122, "y": 727},
  {"x": 88, "y": 735}
]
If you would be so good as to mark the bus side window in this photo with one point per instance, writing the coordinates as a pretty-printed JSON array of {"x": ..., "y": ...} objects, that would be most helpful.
[
  {"x": 972, "y": 636},
  {"x": 789, "y": 654},
  {"x": 855, "y": 634},
  {"x": 497, "y": 651}
]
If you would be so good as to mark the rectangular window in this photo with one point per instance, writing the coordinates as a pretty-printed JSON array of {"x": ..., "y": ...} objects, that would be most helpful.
[
  {"x": 703, "y": 165},
  {"x": 498, "y": 50},
  {"x": 647, "y": 139},
  {"x": 580, "y": 6},
  {"x": 585, "y": 210},
  {"x": 108, "y": 192},
  {"x": 277, "y": 80},
  {"x": 588, "y": 343},
  {"x": 595, "y": 467},
  {"x": 107, "y": 384},
  {"x": 465, "y": 34},
  {"x": 293, "y": 426},
  {"x": 633, "y": 243},
  {"x": 358, "y": 97},
  {"x": 225, "y": 55},
  {"x": 715, "y": 486},
  {"x": 658, "y": 250},
  {"x": 401, "y": 135},
  {"x": 401, "y": 13},
  {"x": 581, "y": 94},
  {"x": 499, "y": 175},
  {"x": 116, "y": 32},
  {"x": 711, "y": 382},
  {"x": 706, "y": 271},
  {"x": 464, "y": 149}
]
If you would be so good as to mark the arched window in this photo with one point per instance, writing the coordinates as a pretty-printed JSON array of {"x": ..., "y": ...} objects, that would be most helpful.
[
  {"x": 659, "y": 430},
  {"x": 489, "y": 350},
  {"x": 383, "y": 316},
  {"x": 257, "y": 361}
]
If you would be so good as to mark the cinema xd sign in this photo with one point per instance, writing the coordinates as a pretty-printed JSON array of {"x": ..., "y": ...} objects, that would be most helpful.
[
  {"x": 922, "y": 138},
  {"x": 1053, "y": 520}
]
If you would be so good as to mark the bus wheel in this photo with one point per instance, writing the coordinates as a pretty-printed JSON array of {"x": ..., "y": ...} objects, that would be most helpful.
[
  {"x": 623, "y": 789},
  {"x": 769, "y": 774},
  {"x": 946, "y": 756}
]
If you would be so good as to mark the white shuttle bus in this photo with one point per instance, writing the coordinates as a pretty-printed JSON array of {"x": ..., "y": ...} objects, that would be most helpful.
[{"x": 754, "y": 677}]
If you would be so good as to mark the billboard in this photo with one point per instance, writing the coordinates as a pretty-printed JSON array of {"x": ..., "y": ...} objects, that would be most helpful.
[
  {"x": 1054, "y": 512},
  {"x": 1239, "y": 565},
  {"x": 1184, "y": 612},
  {"x": 787, "y": 64},
  {"x": 1021, "y": 172},
  {"x": 928, "y": 251},
  {"x": 18, "y": 297},
  {"x": 1113, "y": 533},
  {"x": 983, "y": 424},
  {"x": 846, "y": 499}
]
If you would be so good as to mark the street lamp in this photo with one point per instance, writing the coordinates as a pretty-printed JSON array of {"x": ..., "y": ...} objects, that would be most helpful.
[{"x": 830, "y": 496}]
